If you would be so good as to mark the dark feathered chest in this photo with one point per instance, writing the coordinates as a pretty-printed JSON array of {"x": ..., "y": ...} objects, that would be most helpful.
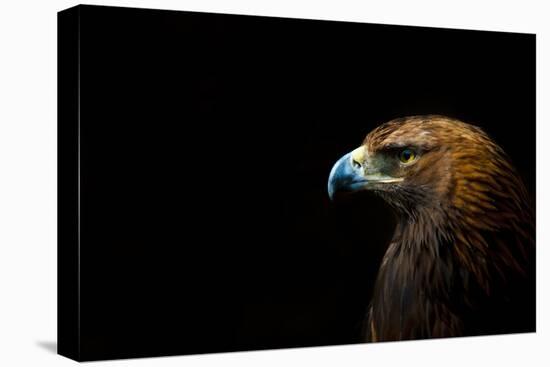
[
  {"x": 414, "y": 295},
  {"x": 424, "y": 290}
]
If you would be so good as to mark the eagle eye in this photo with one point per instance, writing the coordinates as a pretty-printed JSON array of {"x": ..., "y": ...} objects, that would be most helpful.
[{"x": 407, "y": 155}]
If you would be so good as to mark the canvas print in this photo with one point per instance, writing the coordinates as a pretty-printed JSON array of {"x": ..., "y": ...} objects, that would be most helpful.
[{"x": 235, "y": 183}]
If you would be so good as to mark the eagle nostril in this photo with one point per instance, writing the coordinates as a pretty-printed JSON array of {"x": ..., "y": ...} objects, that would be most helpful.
[{"x": 355, "y": 164}]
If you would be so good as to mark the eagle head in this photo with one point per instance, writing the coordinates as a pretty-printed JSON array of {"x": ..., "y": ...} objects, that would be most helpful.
[{"x": 427, "y": 163}]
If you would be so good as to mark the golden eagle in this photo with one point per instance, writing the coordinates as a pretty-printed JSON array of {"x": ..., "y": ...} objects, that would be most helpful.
[{"x": 461, "y": 260}]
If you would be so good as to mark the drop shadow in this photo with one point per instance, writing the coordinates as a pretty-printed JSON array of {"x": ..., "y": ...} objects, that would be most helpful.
[{"x": 50, "y": 346}]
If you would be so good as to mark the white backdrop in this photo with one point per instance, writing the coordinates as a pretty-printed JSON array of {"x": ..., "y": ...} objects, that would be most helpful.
[{"x": 28, "y": 182}]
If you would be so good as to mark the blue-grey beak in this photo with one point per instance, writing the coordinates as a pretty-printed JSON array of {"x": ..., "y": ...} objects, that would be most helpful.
[
  {"x": 347, "y": 175},
  {"x": 356, "y": 171}
]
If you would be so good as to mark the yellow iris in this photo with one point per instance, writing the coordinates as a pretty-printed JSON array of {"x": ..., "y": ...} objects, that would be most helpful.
[{"x": 407, "y": 155}]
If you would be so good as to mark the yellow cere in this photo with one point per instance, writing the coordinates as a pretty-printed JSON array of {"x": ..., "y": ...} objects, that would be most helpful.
[{"x": 358, "y": 155}]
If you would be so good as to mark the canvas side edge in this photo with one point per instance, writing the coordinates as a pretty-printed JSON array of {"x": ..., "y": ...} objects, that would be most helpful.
[{"x": 68, "y": 244}]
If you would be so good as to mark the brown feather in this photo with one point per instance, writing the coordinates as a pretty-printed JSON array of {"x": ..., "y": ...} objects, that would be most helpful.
[{"x": 461, "y": 261}]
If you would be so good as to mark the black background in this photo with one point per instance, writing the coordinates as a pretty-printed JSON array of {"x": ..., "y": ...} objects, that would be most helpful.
[{"x": 206, "y": 144}]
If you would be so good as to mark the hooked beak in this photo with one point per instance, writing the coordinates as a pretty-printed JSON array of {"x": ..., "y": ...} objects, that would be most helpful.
[
  {"x": 346, "y": 176},
  {"x": 353, "y": 172}
]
